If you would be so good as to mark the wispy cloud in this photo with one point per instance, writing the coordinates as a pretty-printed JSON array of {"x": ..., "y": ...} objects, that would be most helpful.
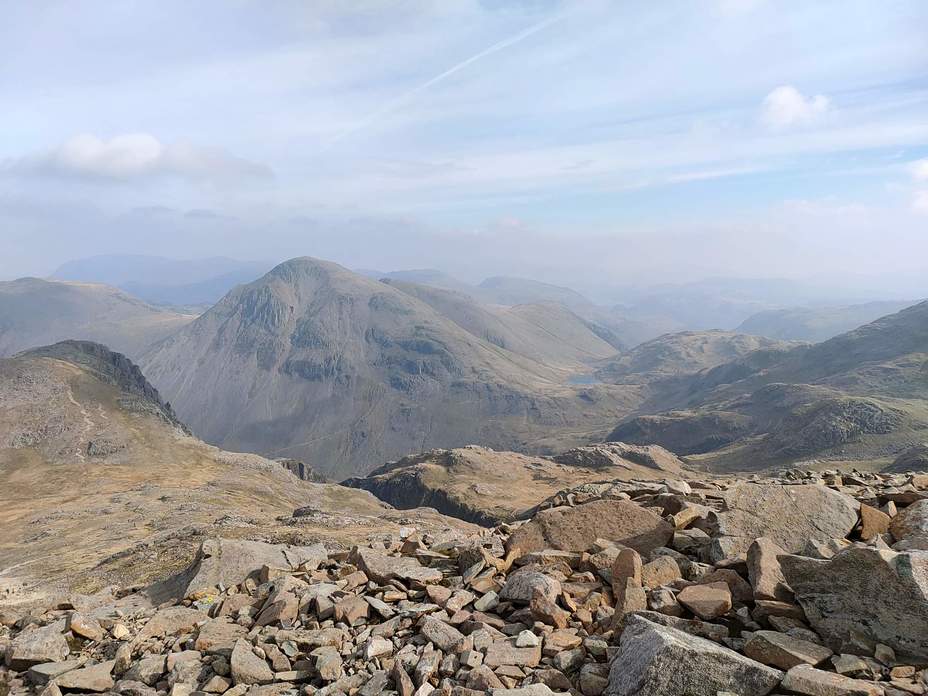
[{"x": 133, "y": 156}]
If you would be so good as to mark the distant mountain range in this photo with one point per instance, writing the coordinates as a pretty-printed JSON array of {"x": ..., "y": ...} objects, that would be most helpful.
[{"x": 165, "y": 281}]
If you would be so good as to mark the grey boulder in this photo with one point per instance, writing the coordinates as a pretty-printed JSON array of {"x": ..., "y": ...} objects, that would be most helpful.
[{"x": 656, "y": 659}]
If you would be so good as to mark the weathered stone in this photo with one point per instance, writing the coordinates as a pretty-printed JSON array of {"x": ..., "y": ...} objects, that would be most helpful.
[
  {"x": 171, "y": 621},
  {"x": 382, "y": 567},
  {"x": 85, "y": 627},
  {"x": 377, "y": 646},
  {"x": 40, "y": 675},
  {"x": 248, "y": 668},
  {"x": 487, "y": 602},
  {"x": 546, "y": 611},
  {"x": 654, "y": 659},
  {"x": 443, "y": 636},
  {"x": 401, "y": 681},
  {"x": 873, "y": 522},
  {"x": 804, "y": 679},
  {"x": 784, "y": 651},
  {"x": 864, "y": 596},
  {"x": 706, "y": 601},
  {"x": 505, "y": 652},
  {"x": 351, "y": 610},
  {"x": 96, "y": 678},
  {"x": 741, "y": 590},
  {"x": 627, "y": 565},
  {"x": 522, "y": 585},
  {"x": 577, "y": 528},
  {"x": 912, "y": 523},
  {"x": 148, "y": 670},
  {"x": 764, "y": 571},
  {"x": 218, "y": 636},
  {"x": 661, "y": 571},
  {"x": 694, "y": 627},
  {"x": 788, "y": 515},
  {"x": 33, "y": 646},
  {"x": 329, "y": 664}
]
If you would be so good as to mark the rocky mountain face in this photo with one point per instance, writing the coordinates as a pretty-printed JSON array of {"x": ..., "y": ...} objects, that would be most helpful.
[
  {"x": 808, "y": 584},
  {"x": 859, "y": 396},
  {"x": 35, "y": 312},
  {"x": 101, "y": 484},
  {"x": 345, "y": 372},
  {"x": 481, "y": 485}
]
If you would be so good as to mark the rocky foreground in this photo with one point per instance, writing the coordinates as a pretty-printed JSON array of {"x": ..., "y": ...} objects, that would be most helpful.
[{"x": 808, "y": 584}]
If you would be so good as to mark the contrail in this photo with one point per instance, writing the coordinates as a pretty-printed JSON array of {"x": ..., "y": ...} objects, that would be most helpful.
[{"x": 402, "y": 99}]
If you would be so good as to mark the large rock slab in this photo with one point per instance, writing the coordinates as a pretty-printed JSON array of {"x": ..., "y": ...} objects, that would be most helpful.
[
  {"x": 806, "y": 680},
  {"x": 37, "y": 646},
  {"x": 863, "y": 596},
  {"x": 227, "y": 562},
  {"x": 382, "y": 567},
  {"x": 576, "y": 528},
  {"x": 790, "y": 516},
  {"x": 655, "y": 659}
]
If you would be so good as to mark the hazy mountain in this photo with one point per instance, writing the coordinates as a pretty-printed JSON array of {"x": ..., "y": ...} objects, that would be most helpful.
[
  {"x": 816, "y": 323},
  {"x": 548, "y": 333},
  {"x": 164, "y": 280},
  {"x": 511, "y": 291},
  {"x": 860, "y": 395},
  {"x": 100, "y": 484},
  {"x": 435, "y": 279},
  {"x": 35, "y": 312},
  {"x": 316, "y": 362},
  {"x": 682, "y": 353}
]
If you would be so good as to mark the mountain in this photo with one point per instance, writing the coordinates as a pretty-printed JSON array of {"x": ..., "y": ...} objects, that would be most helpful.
[
  {"x": 35, "y": 312},
  {"x": 548, "y": 333},
  {"x": 862, "y": 395},
  {"x": 318, "y": 363},
  {"x": 816, "y": 324},
  {"x": 681, "y": 353},
  {"x": 101, "y": 484},
  {"x": 511, "y": 291},
  {"x": 160, "y": 280}
]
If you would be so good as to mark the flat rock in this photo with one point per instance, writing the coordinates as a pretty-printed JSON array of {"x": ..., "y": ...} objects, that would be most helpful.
[
  {"x": 706, "y": 601},
  {"x": 96, "y": 678},
  {"x": 218, "y": 636},
  {"x": 444, "y": 636},
  {"x": 655, "y": 659},
  {"x": 864, "y": 596},
  {"x": 809, "y": 681},
  {"x": 383, "y": 568},
  {"x": 784, "y": 651},
  {"x": 505, "y": 652},
  {"x": 789, "y": 515},
  {"x": 577, "y": 528}
]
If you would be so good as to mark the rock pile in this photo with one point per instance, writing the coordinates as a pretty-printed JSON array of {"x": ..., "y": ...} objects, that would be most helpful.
[{"x": 810, "y": 584}]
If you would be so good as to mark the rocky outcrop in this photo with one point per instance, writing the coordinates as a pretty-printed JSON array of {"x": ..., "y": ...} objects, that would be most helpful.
[
  {"x": 481, "y": 485},
  {"x": 913, "y": 459}
]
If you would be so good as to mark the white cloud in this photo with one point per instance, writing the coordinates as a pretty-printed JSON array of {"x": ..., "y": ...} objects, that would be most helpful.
[
  {"x": 786, "y": 106},
  {"x": 920, "y": 201},
  {"x": 919, "y": 170},
  {"x": 137, "y": 155}
]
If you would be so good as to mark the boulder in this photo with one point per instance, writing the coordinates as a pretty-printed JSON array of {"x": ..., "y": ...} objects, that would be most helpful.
[
  {"x": 911, "y": 523},
  {"x": 784, "y": 651},
  {"x": 873, "y": 522},
  {"x": 577, "y": 528},
  {"x": 655, "y": 659},
  {"x": 96, "y": 678},
  {"x": 248, "y": 668},
  {"x": 864, "y": 596},
  {"x": 36, "y": 646},
  {"x": 522, "y": 585},
  {"x": 789, "y": 515},
  {"x": 227, "y": 562},
  {"x": 706, "y": 601},
  {"x": 171, "y": 621},
  {"x": 381, "y": 567}
]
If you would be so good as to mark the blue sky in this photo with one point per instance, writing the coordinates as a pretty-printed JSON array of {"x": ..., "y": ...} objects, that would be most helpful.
[{"x": 643, "y": 141}]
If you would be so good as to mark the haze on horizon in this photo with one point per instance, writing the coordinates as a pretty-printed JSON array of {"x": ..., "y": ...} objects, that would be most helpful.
[{"x": 578, "y": 143}]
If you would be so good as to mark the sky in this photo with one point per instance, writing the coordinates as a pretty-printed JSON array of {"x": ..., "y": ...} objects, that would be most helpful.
[{"x": 613, "y": 142}]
